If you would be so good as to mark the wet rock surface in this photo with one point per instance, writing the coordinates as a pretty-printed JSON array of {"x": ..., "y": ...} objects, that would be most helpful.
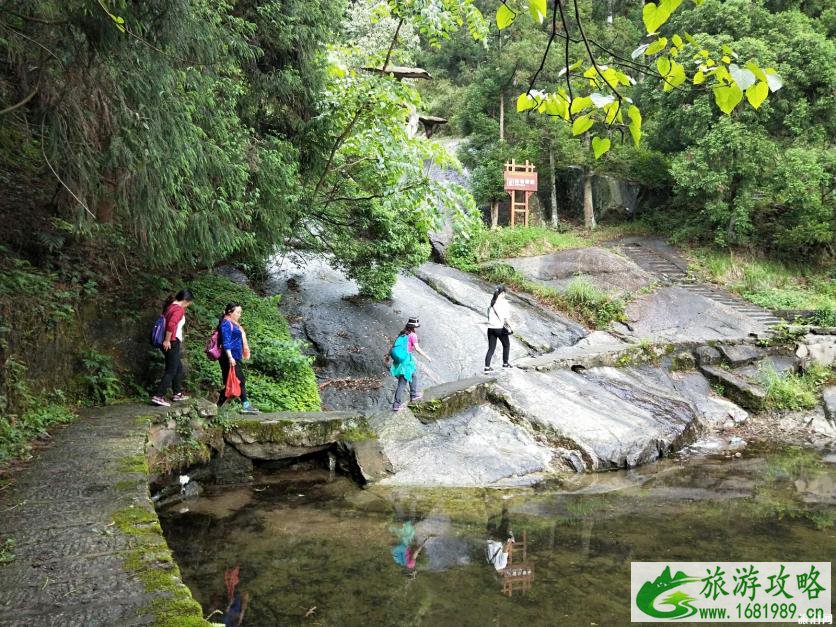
[
  {"x": 716, "y": 410},
  {"x": 737, "y": 387},
  {"x": 70, "y": 565}
]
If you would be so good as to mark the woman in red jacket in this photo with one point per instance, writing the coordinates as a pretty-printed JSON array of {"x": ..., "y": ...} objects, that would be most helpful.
[{"x": 174, "y": 311}]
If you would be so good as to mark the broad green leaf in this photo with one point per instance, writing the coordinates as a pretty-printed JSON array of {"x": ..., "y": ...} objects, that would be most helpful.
[
  {"x": 600, "y": 145},
  {"x": 656, "y": 46},
  {"x": 654, "y": 16},
  {"x": 538, "y": 9},
  {"x": 581, "y": 124},
  {"x": 726, "y": 49},
  {"x": 677, "y": 41},
  {"x": 676, "y": 77},
  {"x": 751, "y": 65},
  {"x": 757, "y": 93},
  {"x": 726, "y": 59},
  {"x": 579, "y": 104},
  {"x": 727, "y": 97},
  {"x": 699, "y": 78},
  {"x": 504, "y": 17},
  {"x": 635, "y": 125},
  {"x": 689, "y": 39},
  {"x": 663, "y": 64},
  {"x": 611, "y": 111},
  {"x": 525, "y": 102},
  {"x": 704, "y": 53},
  {"x": 554, "y": 105},
  {"x": 743, "y": 77},
  {"x": 774, "y": 81}
]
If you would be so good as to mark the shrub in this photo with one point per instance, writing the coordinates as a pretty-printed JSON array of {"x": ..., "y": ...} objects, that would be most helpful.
[
  {"x": 280, "y": 377},
  {"x": 102, "y": 386}
]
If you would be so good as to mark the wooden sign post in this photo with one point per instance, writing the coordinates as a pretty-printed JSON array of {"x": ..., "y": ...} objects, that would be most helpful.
[{"x": 520, "y": 183}]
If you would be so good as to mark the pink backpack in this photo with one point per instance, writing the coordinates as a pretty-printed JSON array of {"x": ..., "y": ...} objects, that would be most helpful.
[{"x": 213, "y": 346}]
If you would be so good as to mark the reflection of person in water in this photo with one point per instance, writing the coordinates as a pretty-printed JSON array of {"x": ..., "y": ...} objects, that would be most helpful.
[
  {"x": 238, "y": 601},
  {"x": 403, "y": 552},
  {"x": 497, "y": 553}
]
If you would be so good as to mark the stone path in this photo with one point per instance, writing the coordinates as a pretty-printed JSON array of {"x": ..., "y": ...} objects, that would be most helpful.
[
  {"x": 674, "y": 271},
  {"x": 87, "y": 543}
]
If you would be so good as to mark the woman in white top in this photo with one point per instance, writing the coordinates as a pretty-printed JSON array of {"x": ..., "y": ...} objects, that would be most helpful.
[{"x": 499, "y": 327}]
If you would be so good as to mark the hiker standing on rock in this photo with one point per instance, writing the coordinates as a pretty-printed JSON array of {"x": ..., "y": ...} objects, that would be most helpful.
[
  {"x": 174, "y": 320},
  {"x": 235, "y": 350},
  {"x": 403, "y": 365},
  {"x": 499, "y": 328}
]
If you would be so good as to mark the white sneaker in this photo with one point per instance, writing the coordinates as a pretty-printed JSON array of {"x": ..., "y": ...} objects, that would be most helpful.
[{"x": 160, "y": 401}]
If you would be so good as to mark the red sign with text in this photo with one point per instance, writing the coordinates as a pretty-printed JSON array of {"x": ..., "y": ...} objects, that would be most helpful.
[{"x": 522, "y": 181}]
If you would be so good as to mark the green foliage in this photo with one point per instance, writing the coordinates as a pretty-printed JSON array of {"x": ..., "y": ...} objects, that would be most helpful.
[
  {"x": 279, "y": 378},
  {"x": 581, "y": 300},
  {"x": 794, "y": 391},
  {"x": 24, "y": 414},
  {"x": 485, "y": 245},
  {"x": 771, "y": 284},
  {"x": 7, "y": 555},
  {"x": 99, "y": 377}
]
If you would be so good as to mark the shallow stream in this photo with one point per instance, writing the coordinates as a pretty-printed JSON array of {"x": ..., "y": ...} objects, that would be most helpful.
[{"x": 309, "y": 544}]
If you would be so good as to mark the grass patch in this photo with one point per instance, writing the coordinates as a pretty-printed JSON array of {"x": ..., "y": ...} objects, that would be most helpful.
[
  {"x": 794, "y": 391},
  {"x": 768, "y": 283},
  {"x": 581, "y": 300},
  {"x": 7, "y": 551},
  {"x": 25, "y": 415}
]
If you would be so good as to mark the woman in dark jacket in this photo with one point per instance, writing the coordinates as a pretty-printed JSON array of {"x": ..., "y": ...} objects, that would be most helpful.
[{"x": 235, "y": 350}]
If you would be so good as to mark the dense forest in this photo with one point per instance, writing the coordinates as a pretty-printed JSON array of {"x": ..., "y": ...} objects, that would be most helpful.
[{"x": 143, "y": 142}]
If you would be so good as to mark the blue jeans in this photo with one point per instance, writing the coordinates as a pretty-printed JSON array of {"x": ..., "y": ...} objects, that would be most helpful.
[{"x": 414, "y": 389}]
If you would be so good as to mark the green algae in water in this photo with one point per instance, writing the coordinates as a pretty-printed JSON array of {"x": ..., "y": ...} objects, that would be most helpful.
[{"x": 303, "y": 542}]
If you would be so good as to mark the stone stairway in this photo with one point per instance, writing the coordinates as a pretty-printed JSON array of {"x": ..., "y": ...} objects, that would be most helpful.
[{"x": 675, "y": 272}]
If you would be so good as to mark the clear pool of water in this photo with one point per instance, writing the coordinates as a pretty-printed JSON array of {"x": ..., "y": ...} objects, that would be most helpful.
[{"x": 311, "y": 549}]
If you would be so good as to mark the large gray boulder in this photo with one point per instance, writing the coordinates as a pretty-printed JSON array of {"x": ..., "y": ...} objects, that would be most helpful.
[
  {"x": 816, "y": 349},
  {"x": 536, "y": 327},
  {"x": 615, "y": 418},
  {"x": 478, "y": 446},
  {"x": 610, "y": 272},
  {"x": 351, "y": 336},
  {"x": 716, "y": 411},
  {"x": 675, "y": 314}
]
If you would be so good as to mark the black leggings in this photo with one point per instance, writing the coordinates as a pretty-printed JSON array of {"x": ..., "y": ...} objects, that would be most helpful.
[
  {"x": 239, "y": 372},
  {"x": 173, "y": 375},
  {"x": 503, "y": 336}
]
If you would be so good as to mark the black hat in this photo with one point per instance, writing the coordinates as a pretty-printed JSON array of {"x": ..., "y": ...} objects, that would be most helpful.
[{"x": 413, "y": 322}]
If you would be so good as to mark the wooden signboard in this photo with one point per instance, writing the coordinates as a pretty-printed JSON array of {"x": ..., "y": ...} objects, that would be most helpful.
[{"x": 520, "y": 183}]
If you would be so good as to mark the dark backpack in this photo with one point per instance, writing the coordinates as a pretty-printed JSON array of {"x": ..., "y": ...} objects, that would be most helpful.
[{"x": 158, "y": 332}]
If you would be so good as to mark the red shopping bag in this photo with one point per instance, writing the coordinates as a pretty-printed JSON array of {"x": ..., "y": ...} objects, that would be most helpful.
[{"x": 233, "y": 385}]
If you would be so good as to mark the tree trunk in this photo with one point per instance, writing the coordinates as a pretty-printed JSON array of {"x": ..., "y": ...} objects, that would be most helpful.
[
  {"x": 494, "y": 214},
  {"x": 588, "y": 208},
  {"x": 553, "y": 186},
  {"x": 501, "y": 116}
]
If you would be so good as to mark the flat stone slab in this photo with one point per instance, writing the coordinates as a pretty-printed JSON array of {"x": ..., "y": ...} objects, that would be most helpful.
[
  {"x": 615, "y": 418},
  {"x": 716, "y": 410},
  {"x": 282, "y": 435},
  {"x": 675, "y": 314},
  {"x": 740, "y": 354},
  {"x": 536, "y": 327},
  {"x": 610, "y": 272},
  {"x": 817, "y": 348},
  {"x": 736, "y": 387},
  {"x": 85, "y": 533}
]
